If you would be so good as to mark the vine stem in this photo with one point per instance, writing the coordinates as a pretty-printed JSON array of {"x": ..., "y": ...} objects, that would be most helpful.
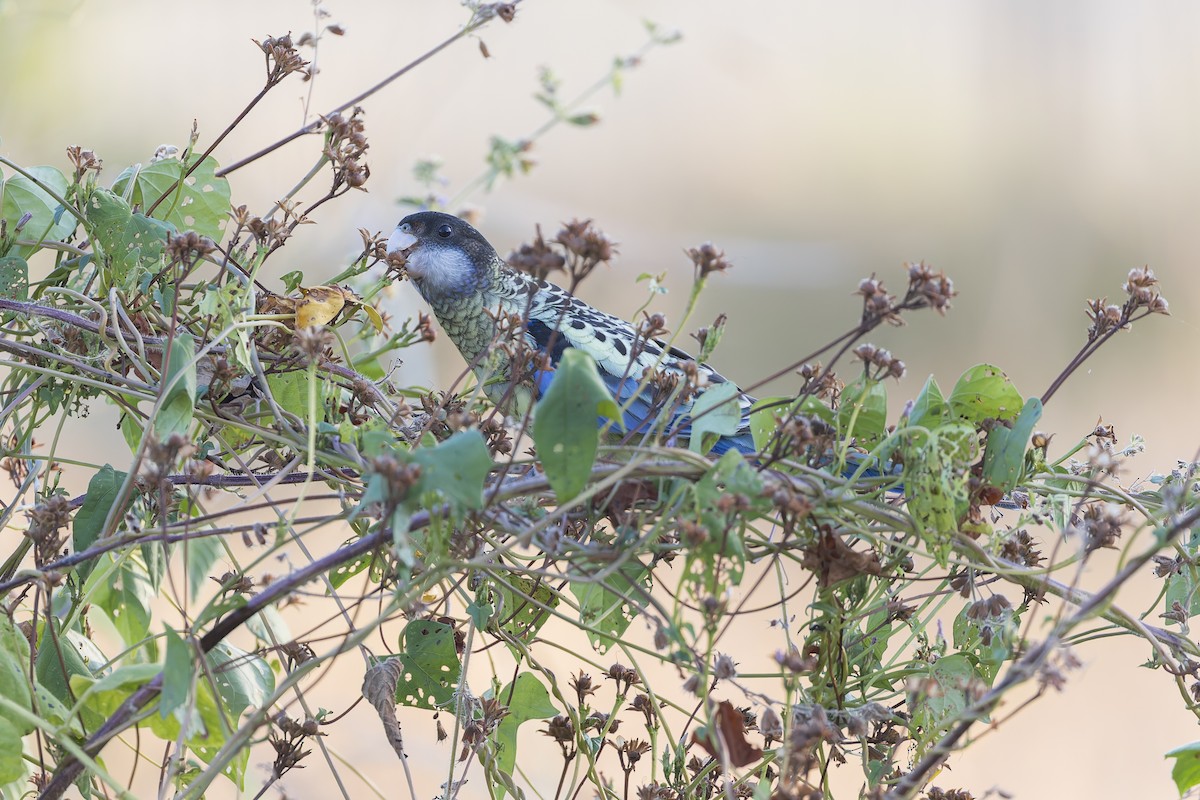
[
  {"x": 1027, "y": 667},
  {"x": 475, "y": 23}
]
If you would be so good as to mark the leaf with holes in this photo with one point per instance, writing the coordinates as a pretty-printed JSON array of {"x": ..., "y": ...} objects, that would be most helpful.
[
  {"x": 14, "y": 278},
  {"x": 521, "y": 605},
  {"x": 431, "y": 665},
  {"x": 607, "y": 607},
  {"x": 132, "y": 243},
  {"x": 200, "y": 203}
]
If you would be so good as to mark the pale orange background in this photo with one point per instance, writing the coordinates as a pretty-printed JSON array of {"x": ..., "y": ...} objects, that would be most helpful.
[{"x": 1035, "y": 151}]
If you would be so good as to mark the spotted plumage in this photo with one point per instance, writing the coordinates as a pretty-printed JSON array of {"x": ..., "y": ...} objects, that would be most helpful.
[{"x": 470, "y": 288}]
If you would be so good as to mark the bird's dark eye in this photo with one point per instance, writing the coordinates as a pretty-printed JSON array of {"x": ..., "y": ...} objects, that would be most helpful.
[{"x": 445, "y": 231}]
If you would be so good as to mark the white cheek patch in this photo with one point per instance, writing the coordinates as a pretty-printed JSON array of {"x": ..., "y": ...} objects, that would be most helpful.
[
  {"x": 399, "y": 240},
  {"x": 441, "y": 270}
]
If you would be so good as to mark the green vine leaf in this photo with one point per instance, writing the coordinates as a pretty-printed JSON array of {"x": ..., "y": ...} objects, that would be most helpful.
[
  {"x": 48, "y": 220},
  {"x": 985, "y": 392},
  {"x": 178, "y": 404},
  {"x": 14, "y": 278},
  {"x": 607, "y": 607},
  {"x": 564, "y": 428},
  {"x": 132, "y": 244},
  {"x": 200, "y": 203},
  {"x": 526, "y": 699},
  {"x": 102, "y": 492},
  {"x": 715, "y": 413},
  {"x": 431, "y": 665}
]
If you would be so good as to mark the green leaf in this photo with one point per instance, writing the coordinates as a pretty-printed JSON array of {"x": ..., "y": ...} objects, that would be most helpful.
[
  {"x": 200, "y": 203},
  {"x": 290, "y": 390},
  {"x": 768, "y": 412},
  {"x": 126, "y": 598},
  {"x": 1004, "y": 455},
  {"x": 89, "y": 521},
  {"x": 132, "y": 244},
  {"x": 244, "y": 680},
  {"x": 179, "y": 392},
  {"x": 455, "y": 469},
  {"x": 52, "y": 660},
  {"x": 984, "y": 392},
  {"x": 724, "y": 546},
  {"x": 14, "y": 680},
  {"x": 511, "y": 609},
  {"x": 934, "y": 709},
  {"x": 607, "y": 607},
  {"x": 864, "y": 405},
  {"x": 526, "y": 699},
  {"x": 102, "y": 696},
  {"x": 201, "y": 554},
  {"x": 269, "y": 627},
  {"x": 12, "y": 766},
  {"x": 179, "y": 669},
  {"x": 565, "y": 429},
  {"x": 929, "y": 409},
  {"x": 431, "y": 665},
  {"x": 14, "y": 278},
  {"x": 48, "y": 219},
  {"x": 935, "y": 478},
  {"x": 1186, "y": 772},
  {"x": 1183, "y": 587},
  {"x": 989, "y": 651},
  {"x": 765, "y": 416},
  {"x": 715, "y": 413}
]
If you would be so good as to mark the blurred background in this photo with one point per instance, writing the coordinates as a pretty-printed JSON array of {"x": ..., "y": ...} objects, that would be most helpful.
[{"x": 1035, "y": 152}]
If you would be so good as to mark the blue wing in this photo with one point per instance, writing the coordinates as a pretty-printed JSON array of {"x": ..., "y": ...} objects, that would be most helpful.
[
  {"x": 643, "y": 409},
  {"x": 557, "y": 321}
]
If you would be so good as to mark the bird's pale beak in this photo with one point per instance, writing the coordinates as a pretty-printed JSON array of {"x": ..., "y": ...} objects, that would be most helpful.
[{"x": 400, "y": 240}]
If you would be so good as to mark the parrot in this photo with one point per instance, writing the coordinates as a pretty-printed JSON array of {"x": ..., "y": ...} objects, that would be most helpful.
[{"x": 472, "y": 290}]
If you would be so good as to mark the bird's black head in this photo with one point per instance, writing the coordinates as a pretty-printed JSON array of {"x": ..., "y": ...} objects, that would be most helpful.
[{"x": 446, "y": 257}]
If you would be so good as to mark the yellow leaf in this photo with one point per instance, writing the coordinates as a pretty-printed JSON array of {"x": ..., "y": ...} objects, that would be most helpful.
[{"x": 319, "y": 305}]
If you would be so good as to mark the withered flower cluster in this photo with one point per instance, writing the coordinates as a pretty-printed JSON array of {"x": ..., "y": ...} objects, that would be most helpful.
[
  {"x": 83, "y": 160},
  {"x": 188, "y": 247},
  {"x": 992, "y": 614},
  {"x": 287, "y": 737},
  {"x": 878, "y": 304},
  {"x": 162, "y": 455},
  {"x": 282, "y": 58},
  {"x": 623, "y": 676},
  {"x": 345, "y": 145},
  {"x": 313, "y": 344},
  {"x": 1101, "y": 525},
  {"x": 885, "y": 366},
  {"x": 587, "y": 247},
  {"x": 932, "y": 289},
  {"x": 707, "y": 259},
  {"x": 1141, "y": 287},
  {"x": 46, "y": 523},
  {"x": 537, "y": 259},
  {"x": 1020, "y": 547},
  {"x": 398, "y": 477},
  {"x": 818, "y": 381}
]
